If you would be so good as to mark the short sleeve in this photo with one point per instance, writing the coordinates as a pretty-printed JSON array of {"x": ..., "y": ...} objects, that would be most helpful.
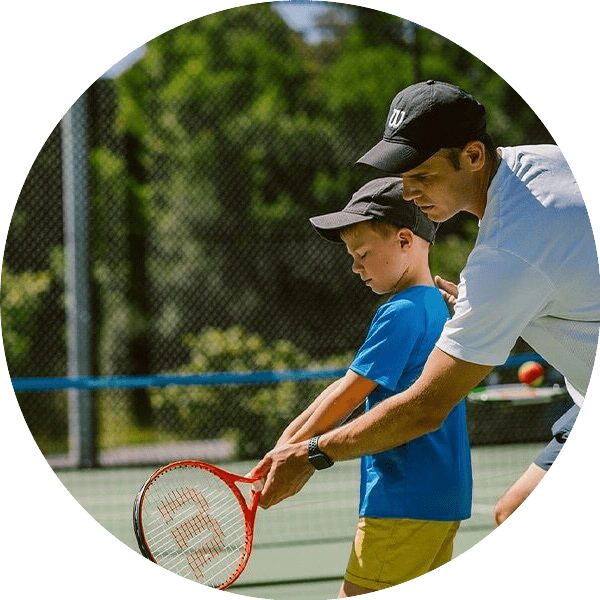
[
  {"x": 560, "y": 430},
  {"x": 499, "y": 295},
  {"x": 393, "y": 333}
]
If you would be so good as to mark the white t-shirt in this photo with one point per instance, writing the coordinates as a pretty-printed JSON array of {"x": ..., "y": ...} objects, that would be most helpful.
[{"x": 533, "y": 271}]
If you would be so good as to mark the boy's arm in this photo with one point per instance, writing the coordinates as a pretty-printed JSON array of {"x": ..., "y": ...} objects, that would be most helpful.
[
  {"x": 303, "y": 417},
  {"x": 327, "y": 411},
  {"x": 334, "y": 405}
]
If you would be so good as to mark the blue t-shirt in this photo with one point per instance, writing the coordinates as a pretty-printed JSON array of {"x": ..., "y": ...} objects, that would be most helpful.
[{"x": 429, "y": 478}]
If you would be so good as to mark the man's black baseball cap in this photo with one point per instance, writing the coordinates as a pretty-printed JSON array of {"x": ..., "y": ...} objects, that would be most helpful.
[
  {"x": 379, "y": 199},
  {"x": 424, "y": 118}
]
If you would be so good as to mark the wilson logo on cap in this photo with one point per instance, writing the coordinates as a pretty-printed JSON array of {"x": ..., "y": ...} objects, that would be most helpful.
[{"x": 396, "y": 118}]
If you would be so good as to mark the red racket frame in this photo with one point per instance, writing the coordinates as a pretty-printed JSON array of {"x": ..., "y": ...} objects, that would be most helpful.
[{"x": 230, "y": 479}]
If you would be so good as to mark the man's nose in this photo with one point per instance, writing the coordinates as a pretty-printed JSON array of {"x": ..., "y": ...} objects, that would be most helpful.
[{"x": 411, "y": 192}]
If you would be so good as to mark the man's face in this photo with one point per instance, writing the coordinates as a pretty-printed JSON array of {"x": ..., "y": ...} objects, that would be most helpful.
[{"x": 439, "y": 189}]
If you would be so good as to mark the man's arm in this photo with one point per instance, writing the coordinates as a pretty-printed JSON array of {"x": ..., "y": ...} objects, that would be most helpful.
[{"x": 420, "y": 409}]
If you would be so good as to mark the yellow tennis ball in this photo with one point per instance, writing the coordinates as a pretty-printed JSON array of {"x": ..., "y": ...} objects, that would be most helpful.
[{"x": 531, "y": 373}]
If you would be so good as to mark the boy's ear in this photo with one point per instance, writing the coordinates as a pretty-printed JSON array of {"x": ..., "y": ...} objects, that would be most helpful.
[{"x": 404, "y": 237}]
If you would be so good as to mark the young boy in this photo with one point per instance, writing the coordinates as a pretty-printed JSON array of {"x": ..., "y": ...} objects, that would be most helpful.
[{"x": 412, "y": 498}]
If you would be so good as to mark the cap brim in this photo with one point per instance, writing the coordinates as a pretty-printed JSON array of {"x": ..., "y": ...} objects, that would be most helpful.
[
  {"x": 392, "y": 157},
  {"x": 329, "y": 226}
]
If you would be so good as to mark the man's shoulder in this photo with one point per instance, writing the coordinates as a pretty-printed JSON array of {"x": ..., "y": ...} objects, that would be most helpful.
[
  {"x": 534, "y": 185},
  {"x": 529, "y": 161},
  {"x": 531, "y": 152}
]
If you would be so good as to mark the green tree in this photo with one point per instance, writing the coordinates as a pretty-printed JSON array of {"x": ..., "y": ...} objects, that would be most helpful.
[
  {"x": 252, "y": 416},
  {"x": 235, "y": 154},
  {"x": 207, "y": 159},
  {"x": 25, "y": 298}
]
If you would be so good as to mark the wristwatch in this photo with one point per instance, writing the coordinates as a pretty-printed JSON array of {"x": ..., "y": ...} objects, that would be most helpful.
[{"x": 319, "y": 460}]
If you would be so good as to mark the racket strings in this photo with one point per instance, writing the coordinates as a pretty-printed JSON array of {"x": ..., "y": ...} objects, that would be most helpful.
[{"x": 194, "y": 525}]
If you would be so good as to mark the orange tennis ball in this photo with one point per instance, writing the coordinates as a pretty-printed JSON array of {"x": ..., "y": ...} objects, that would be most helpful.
[{"x": 531, "y": 373}]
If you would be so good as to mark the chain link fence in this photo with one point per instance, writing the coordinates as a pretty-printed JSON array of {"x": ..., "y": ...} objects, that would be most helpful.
[{"x": 205, "y": 161}]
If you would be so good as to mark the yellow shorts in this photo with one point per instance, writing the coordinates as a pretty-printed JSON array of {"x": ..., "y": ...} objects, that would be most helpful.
[{"x": 388, "y": 552}]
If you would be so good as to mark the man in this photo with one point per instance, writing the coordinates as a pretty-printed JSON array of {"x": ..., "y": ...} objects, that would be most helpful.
[{"x": 533, "y": 272}]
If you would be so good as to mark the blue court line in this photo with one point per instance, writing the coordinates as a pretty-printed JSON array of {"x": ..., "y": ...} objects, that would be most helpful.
[{"x": 41, "y": 384}]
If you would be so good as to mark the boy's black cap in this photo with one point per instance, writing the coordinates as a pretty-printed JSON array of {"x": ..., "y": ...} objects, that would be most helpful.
[
  {"x": 424, "y": 118},
  {"x": 379, "y": 199}
]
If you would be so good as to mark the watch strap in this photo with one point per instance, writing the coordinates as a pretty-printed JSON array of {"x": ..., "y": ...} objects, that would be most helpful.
[{"x": 317, "y": 458}]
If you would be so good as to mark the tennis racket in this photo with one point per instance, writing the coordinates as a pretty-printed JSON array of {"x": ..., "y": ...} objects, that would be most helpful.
[{"x": 193, "y": 519}]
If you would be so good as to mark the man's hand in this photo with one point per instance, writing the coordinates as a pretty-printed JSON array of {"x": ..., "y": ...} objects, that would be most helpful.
[
  {"x": 286, "y": 470},
  {"x": 449, "y": 292}
]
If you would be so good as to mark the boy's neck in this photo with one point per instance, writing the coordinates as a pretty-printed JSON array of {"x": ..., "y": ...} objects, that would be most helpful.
[{"x": 422, "y": 277}]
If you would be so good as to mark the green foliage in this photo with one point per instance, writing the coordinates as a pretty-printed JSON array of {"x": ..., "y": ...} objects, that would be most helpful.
[
  {"x": 206, "y": 160},
  {"x": 237, "y": 133},
  {"x": 252, "y": 415},
  {"x": 448, "y": 257},
  {"x": 22, "y": 296}
]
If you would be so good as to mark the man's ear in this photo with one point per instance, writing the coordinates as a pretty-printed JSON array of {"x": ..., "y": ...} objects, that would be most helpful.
[{"x": 473, "y": 156}]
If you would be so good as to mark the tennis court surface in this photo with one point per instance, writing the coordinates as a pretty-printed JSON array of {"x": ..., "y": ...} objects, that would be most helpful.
[{"x": 301, "y": 545}]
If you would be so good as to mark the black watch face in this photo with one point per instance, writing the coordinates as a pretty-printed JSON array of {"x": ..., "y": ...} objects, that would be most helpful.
[{"x": 319, "y": 461}]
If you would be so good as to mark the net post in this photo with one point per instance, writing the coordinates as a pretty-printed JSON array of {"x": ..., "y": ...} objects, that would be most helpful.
[{"x": 82, "y": 443}]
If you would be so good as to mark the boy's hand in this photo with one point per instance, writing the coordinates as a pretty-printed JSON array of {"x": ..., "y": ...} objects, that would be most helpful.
[{"x": 449, "y": 292}]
